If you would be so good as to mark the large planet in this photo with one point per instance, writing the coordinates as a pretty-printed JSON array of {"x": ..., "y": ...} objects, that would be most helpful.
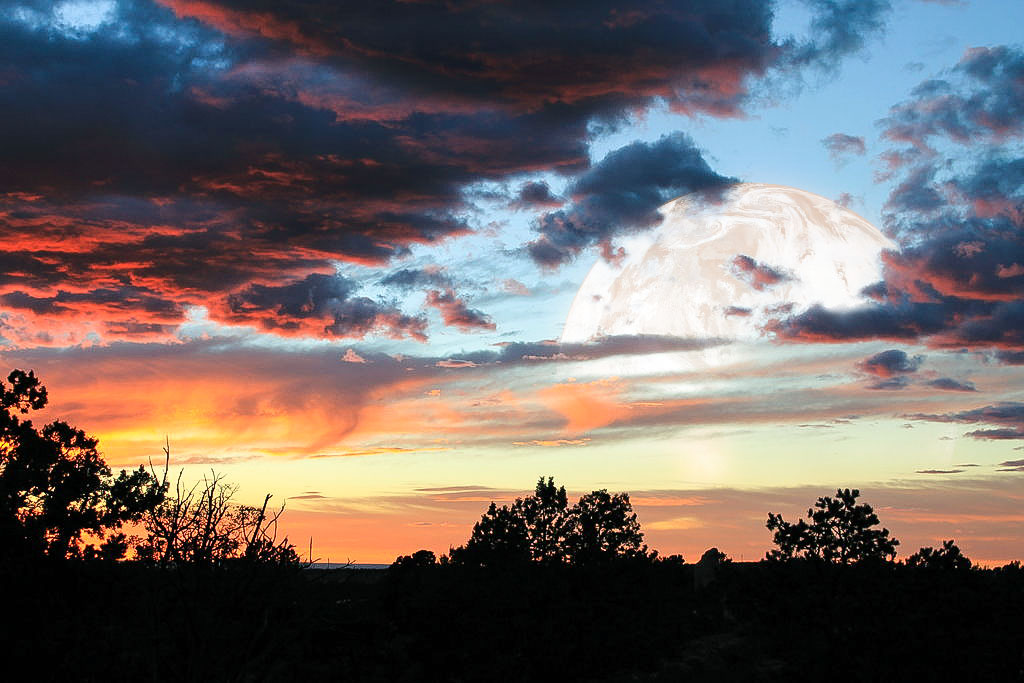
[{"x": 724, "y": 267}]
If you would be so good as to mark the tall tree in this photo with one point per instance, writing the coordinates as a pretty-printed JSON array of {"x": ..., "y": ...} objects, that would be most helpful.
[
  {"x": 546, "y": 518},
  {"x": 603, "y": 526},
  {"x": 55, "y": 487}
]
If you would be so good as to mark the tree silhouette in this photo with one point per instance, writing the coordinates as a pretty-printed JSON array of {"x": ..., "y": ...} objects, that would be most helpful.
[
  {"x": 948, "y": 558},
  {"x": 840, "y": 531},
  {"x": 603, "y": 526},
  {"x": 545, "y": 515},
  {"x": 498, "y": 539},
  {"x": 543, "y": 528},
  {"x": 418, "y": 560},
  {"x": 203, "y": 525},
  {"x": 55, "y": 487}
]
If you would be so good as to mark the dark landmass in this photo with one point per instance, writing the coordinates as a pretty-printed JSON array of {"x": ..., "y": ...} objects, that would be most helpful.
[
  {"x": 206, "y": 591},
  {"x": 621, "y": 621}
]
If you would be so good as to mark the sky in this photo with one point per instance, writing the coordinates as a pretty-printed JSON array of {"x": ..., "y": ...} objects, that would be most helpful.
[{"x": 328, "y": 250}]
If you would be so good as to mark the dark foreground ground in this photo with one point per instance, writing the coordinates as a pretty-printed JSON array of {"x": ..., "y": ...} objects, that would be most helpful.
[{"x": 625, "y": 622}]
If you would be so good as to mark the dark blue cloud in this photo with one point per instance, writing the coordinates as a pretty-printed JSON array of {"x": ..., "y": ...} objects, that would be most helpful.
[
  {"x": 621, "y": 194},
  {"x": 957, "y": 208},
  {"x": 202, "y": 150},
  {"x": 950, "y": 384},
  {"x": 412, "y": 278},
  {"x": 537, "y": 195},
  {"x": 890, "y": 384},
  {"x": 891, "y": 363},
  {"x": 840, "y": 27},
  {"x": 1008, "y": 418},
  {"x": 320, "y": 305}
]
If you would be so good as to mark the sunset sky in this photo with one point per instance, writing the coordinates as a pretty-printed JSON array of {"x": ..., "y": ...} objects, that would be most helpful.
[{"x": 328, "y": 248}]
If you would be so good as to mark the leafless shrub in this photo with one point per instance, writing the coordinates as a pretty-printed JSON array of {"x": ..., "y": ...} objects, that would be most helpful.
[{"x": 201, "y": 524}]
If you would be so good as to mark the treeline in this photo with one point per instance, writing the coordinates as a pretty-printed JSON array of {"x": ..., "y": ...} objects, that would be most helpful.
[
  {"x": 543, "y": 589},
  {"x": 60, "y": 500},
  {"x": 601, "y": 528}
]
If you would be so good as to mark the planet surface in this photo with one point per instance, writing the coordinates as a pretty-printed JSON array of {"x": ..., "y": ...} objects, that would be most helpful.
[{"x": 725, "y": 268}]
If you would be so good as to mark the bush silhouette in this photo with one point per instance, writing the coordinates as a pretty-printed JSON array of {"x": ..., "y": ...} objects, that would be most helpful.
[
  {"x": 840, "y": 531},
  {"x": 55, "y": 487},
  {"x": 202, "y": 525},
  {"x": 418, "y": 560}
]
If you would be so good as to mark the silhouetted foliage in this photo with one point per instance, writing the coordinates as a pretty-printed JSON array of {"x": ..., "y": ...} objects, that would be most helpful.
[
  {"x": 55, "y": 487},
  {"x": 675, "y": 559},
  {"x": 946, "y": 558},
  {"x": 202, "y": 525},
  {"x": 840, "y": 531},
  {"x": 603, "y": 526},
  {"x": 543, "y": 528},
  {"x": 536, "y": 620},
  {"x": 548, "y": 521},
  {"x": 714, "y": 556},
  {"x": 418, "y": 560}
]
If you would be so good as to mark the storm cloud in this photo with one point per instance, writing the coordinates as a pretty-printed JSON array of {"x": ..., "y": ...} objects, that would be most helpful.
[
  {"x": 621, "y": 194},
  {"x": 192, "y": 153}
]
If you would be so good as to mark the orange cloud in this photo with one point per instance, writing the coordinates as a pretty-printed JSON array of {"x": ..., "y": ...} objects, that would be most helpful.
[
  {"x": 552, "y": 443},
  {"x": 586, "y": 406}
]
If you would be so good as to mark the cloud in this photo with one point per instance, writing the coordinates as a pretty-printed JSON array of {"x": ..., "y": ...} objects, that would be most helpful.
[
  {"x": 957, "y": 209},
  {"x": 621, "y": 194},
  {"x": 512, "y": 354},
  {"x": 586, "y": 406},
  {"x": 412, "y": 278},
  {"x": 454, "y": 310},
  {"x": 513, "y": 286},
  {"x": 602, "y": 347},
  {"x": 537, "y": 194},
  {"x": 895, "y": 323},
  {"x": 456, "y": 313},
  {"x": 758, "y": 275},
  {"x": 841, "y": 27},
  {"x": 840, "y": 145},
  {"x": 235, "y": 145},
  {"x": 592, "y": 55},
  {"x": 891, "y": 363},
  {"x": 982, "y": 98},
  {"x": 319, "y": 305},
  {"x": 1012, "y": 466},
  {"x": 352, "y": 357},
  {"x": 456, "y": 363},
  {"x": 217, "y": 398},
  {"x": 552, "y": 443},
  {"x": 1009, "y": 415},
  {"x": 950, "y": 384},
  {"x": 893, "y": 383}
]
